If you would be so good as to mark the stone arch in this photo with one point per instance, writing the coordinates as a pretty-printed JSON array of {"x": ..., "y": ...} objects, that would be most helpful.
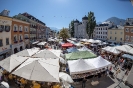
[
  {"x": 21, "y": 48},
  {"x": 15, "y": 50}
]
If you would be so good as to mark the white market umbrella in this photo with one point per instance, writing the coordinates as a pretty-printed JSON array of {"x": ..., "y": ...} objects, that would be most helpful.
[
  {"x": 39, "y": 69},
  {"x": 91, "y": 41},
  {"x": 65, "y": 77},
  {"x": 5, "y": 84},
  {"x": 58, "y": 54},
  {"x": 41, "y": 43},
  {"x": 45, "y": 54},
  {"x": 35, "y": 42},
  {"x": 130, "y": 51},
  {"x": 12, "y": 62},
  {"x": 124, "y": 48},
  {"x": 79, "y": 44},
  {"x": 27, "y": 52},
  {"x": 98, "y": 41},
  {"x": 84, "y": 49}
]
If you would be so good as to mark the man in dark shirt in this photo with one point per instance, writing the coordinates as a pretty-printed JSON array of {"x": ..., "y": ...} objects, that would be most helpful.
[{"x": 83, "y": 82}]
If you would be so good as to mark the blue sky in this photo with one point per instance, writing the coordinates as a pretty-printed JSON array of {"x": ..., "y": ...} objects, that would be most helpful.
[{"x": 59, "y": 13}]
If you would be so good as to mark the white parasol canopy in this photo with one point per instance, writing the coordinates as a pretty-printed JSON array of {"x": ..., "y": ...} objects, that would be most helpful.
[
  {"x": 39, "y": 69},
  {"x": 45, "y": 54},
  {"x": 35, "y": 42},
  {"x": 130, "y": 51},
  {"x": 124, "y": 48},
  {"x": 91, "y": 41},
  {"x": 79, "y": 44},
  {"x": 98, "y": 41},
  {"x": 5, "y": 84},
  {"x": 84, "y": 49},
  {"x": 12, "y": 62},
  {"x": 65, "y": 77},
  {"x": 27, "y": 52},
  {"x": 41, "y": 43},
  {"x": 58, "y": 53}
]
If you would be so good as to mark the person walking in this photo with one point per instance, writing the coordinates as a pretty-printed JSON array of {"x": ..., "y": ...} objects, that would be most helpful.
[
  {"x": 117, "y": 71},
  {"x": 83, "y": 82}
]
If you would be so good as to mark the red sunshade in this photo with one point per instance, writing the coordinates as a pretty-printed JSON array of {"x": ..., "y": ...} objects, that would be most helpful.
[{"x": 67, "y": 45}]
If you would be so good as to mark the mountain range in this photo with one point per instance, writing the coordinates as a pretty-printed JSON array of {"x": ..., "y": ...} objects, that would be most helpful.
[{"x": 115, "y": 20}]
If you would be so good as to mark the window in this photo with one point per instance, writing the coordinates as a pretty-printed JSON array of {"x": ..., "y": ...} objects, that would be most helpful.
[
  {"x": 121, "y": 32},
  {"x": 131, "y": 30},
  {"x": 127, "y": 37},
  {"x": 110, "y": 32},
  {"x": 20, "y": 28},
  {"x": 115, "y": 33},
  {"x": 15, "y": 38},
  {"x": 110, "y": 37},
  {"x": 7, "y": 41},
  {"x": 15, "y": 28},
  {"x": 115, "y": 38},
  {"x": 1, "y": 43},
  {"x": 101, "y": 32},
  {"x": 127, "y": 29},
  {"x": 121, "y": 39},
  {"x": 26, "y": 29}
]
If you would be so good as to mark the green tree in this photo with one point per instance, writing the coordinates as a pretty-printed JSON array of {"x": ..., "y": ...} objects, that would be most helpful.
[
  {"x": 91, "y": 24},
  {"x": 71, "y": 28},
  {"x": 64, "y": 34}
]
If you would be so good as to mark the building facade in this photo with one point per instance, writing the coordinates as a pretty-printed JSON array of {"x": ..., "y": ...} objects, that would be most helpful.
[
  {"x": 100, "y": 31},
  {"x": 116, "y": 34},
  {"x": 128, "y": 34},
  {"x": 5, "y": 36},
  {"x": 80, "y": 28},
  {"x": 37, "y": 27},
  {"x": 19, "y": 35}
]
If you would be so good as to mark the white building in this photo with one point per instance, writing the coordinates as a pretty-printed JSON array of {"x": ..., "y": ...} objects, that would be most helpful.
[
  {"x": 5, "y": 36},
  {"x": 80, "y": 28},
  {"x": 100, "y": 31}
]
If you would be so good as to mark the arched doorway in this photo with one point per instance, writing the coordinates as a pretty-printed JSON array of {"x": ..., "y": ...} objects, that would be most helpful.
[
  {"x": 15, "y": 50},
  {"x": 21, "y": 48},
  {"x": 27, "y": 46}
]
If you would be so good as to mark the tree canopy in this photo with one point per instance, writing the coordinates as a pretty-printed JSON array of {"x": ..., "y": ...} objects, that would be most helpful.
[
  {"x": 64, "y": 34},
  {"x": 91, "y": 24}
]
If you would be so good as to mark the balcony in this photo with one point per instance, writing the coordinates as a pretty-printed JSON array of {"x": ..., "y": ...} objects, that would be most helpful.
[
  {"x": 20, "y": 31},
  {"x": 26, "y": 38},
  {"x": 20, "y": 40},
  {"x": 15, "y": 31},
  {"x": 15, "y": 41}
]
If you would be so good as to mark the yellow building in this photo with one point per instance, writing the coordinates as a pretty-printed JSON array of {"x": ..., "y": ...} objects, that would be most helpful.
[
  {"x": 5, "y": 36},
  {"x": 116, "y": 34}
]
